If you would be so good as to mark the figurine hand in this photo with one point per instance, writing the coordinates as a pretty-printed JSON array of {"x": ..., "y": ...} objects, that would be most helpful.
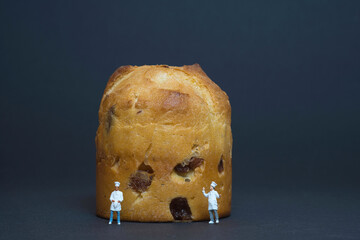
[
  {"x": 113, "y": 200},
  {"x": 118, "y": 201},
  {"x": 203, "y": 189}
]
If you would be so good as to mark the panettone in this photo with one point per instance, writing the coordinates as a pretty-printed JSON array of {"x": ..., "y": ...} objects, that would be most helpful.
[{"x": 164, "y": 133}]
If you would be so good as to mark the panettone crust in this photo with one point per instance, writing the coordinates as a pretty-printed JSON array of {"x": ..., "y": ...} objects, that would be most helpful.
[{"x": 151, "y": 119}]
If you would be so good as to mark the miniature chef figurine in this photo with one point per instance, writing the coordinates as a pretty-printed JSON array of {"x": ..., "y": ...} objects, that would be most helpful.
[
  {"x": 115, "y": 198},
  {"x": 213, "y": 206}
]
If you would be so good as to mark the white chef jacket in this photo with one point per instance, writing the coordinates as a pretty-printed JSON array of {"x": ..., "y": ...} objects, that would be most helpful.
[
  {"x": 212, "y": 195},
  {"x": 116, "y": 196}
]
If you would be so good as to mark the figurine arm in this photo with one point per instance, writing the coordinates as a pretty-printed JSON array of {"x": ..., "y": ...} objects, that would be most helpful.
[
  {"x": 217, "y": 195},
  {"x": 112, "y": 197},
  {"x": 205, "y": 194}
]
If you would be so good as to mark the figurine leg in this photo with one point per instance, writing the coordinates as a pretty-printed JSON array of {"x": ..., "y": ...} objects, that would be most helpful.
[
  {"x": 118, "y": 215},
  {"x": 111, "y": 217},
  {"x": 216, "y": 216},
  {"x": 211, "y": 217}
]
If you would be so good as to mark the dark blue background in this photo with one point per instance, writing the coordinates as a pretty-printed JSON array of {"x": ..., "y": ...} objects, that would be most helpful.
[{"x": 291, "y": 70}]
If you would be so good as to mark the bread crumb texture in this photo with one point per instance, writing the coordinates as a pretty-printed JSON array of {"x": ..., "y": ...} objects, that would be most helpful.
[{"x": 164, "y": 133}]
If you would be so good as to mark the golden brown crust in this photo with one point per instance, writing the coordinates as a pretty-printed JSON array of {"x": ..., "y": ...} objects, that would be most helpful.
[
  {"x": 120, "y": 72},
  {"x": 219, "y": 95},
  {"x": 165, "y": 130}
]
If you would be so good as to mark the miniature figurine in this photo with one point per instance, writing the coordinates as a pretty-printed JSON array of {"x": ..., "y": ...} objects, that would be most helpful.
[
  {"x": 213, "y": 206},
  {"x": 115, "y": 198}
]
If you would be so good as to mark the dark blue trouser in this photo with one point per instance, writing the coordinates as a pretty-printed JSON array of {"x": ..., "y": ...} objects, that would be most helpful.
[
  {"x": 111, "y": 216},
  {"x": 211, "y": 215}
]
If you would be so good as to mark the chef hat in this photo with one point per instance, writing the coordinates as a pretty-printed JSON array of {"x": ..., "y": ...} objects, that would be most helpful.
[
  {"x": 117, "y": 184},
  {"x": 213, "y": 184}
]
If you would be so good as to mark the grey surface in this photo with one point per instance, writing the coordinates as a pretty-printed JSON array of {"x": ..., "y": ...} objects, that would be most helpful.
[{"x": 68, "y": 212}]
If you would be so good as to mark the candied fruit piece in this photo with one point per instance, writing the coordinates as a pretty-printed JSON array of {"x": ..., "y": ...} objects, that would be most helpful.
[
  {"x": 109, "y": 118},
  {"x": 180, "y": 209},
  {"x": 140, "y": 181},
  {"x": 180, "y": 169},
  {"x": 188, "y": 165},
  {"x": 146, "y": 168},
  {"x": 221, "y": 165},
  {"x": 195, "y": 162}
]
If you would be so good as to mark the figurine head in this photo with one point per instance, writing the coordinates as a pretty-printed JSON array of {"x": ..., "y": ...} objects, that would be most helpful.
[
  {"x": 117, "y": 184},
  {"x": 212, "y": 185}
]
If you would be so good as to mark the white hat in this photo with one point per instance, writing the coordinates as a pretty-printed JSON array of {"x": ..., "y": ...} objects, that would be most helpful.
[
  {"x": 213, "y": 184},
  {"x": 117, "y": 184}
]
